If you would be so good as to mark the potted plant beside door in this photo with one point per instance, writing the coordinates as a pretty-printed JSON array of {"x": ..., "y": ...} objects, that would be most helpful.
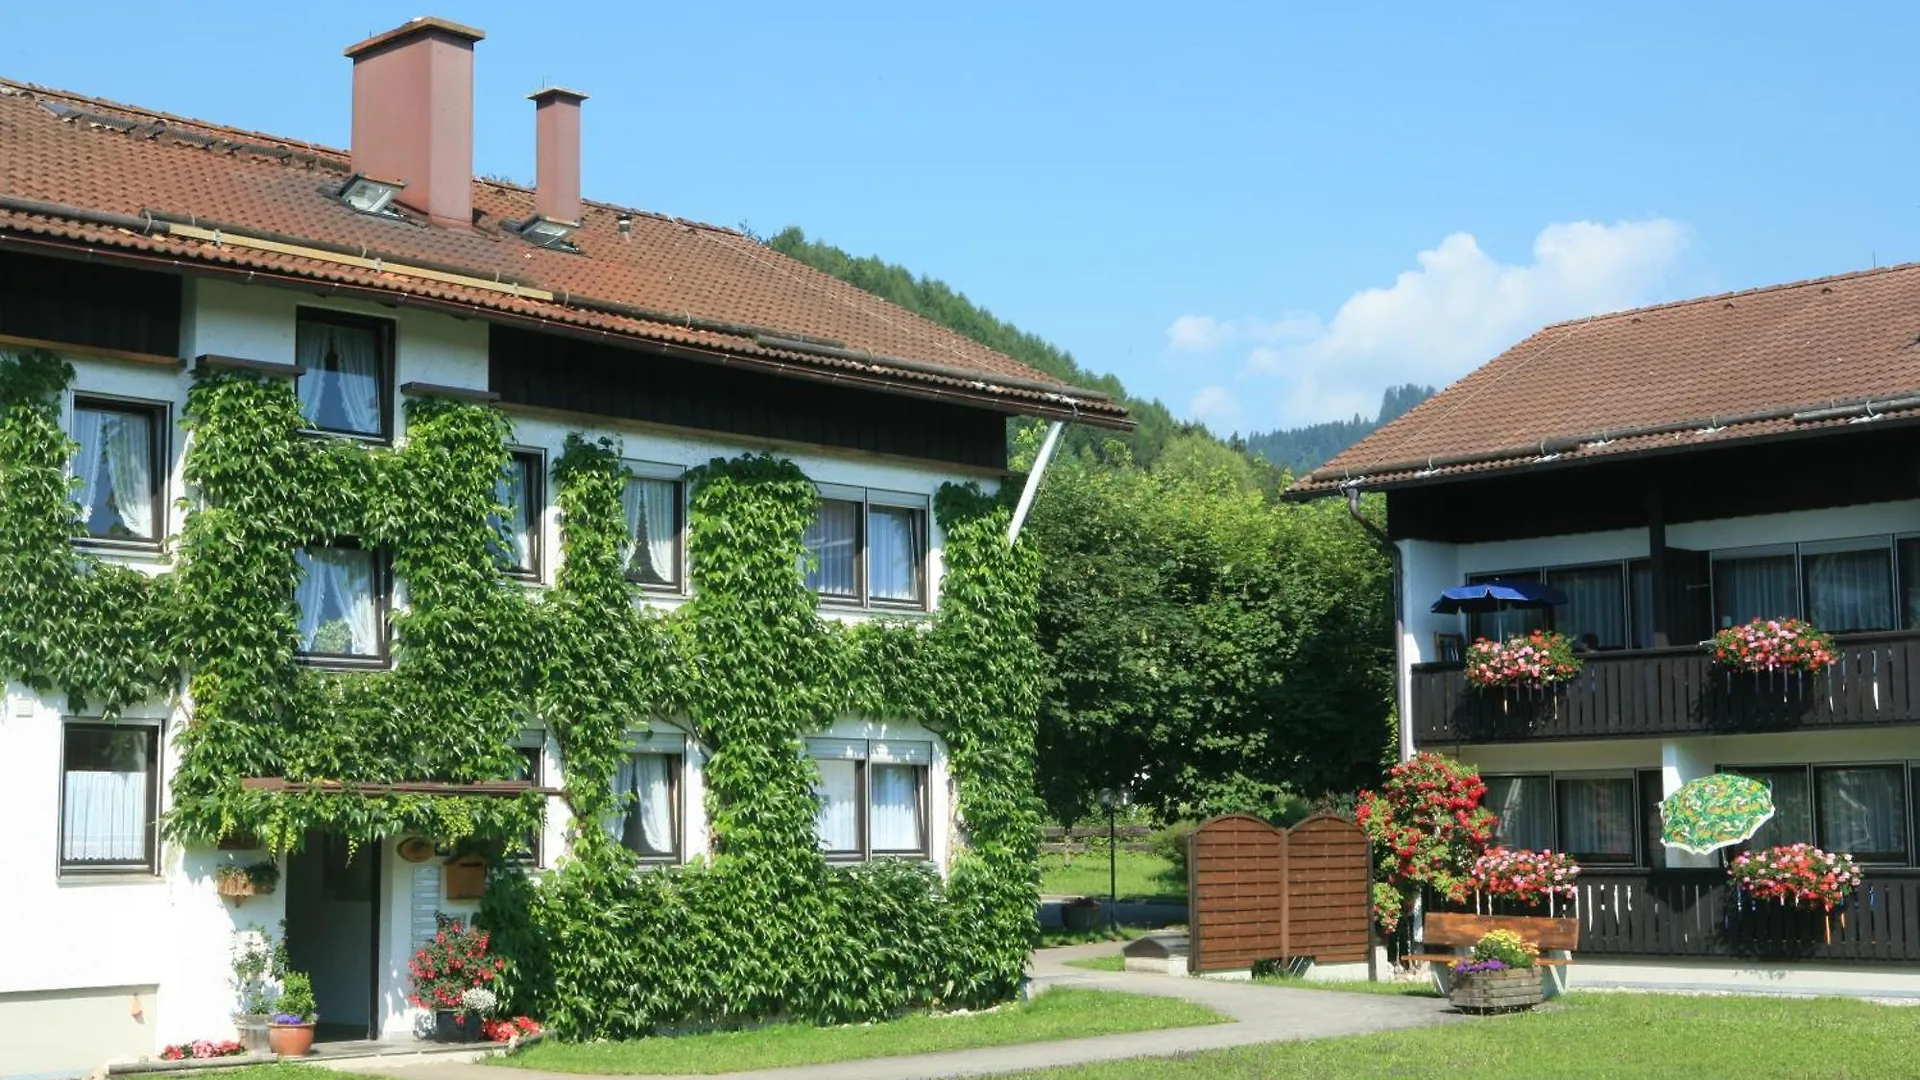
[
  {"x": 444, "y": 969},
  {"x": 290, "y": 1032}
]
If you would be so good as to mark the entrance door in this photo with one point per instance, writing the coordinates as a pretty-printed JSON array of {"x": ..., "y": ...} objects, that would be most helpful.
[{"x": 333, "y": 932}]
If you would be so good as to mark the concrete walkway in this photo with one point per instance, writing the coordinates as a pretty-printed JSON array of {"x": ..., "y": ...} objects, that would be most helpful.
[{"x": 1260, "y": 1014}]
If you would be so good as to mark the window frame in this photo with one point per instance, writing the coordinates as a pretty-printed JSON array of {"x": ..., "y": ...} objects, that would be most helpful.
[
  {"x": 159, "y": 464},
  {"x": 537, "y": 511},
  {"x": 863, "y": 798},
  {"x": 388, "y": 333},
  {"x": 531, "y": 746},
  {"x": 864, "y": 500},
  {"x": 383, "y": 585},
  {"x": 1799, "y": 550},
  {"x": 1812, "y": 772},
  {"x": 149, "y": 864},
  {"x": 1639, "y": 775},
  {"x": 1538, "y": 573},
  {"x": 676, "y": 797},
  {"x": 677, "y": 475}
]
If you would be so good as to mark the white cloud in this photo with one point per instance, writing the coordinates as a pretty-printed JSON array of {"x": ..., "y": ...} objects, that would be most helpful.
[
  {"x": 1216, "y": 407},
  {"x": 1204, "y": 333},
  {"x": 1459, "y": 309}
]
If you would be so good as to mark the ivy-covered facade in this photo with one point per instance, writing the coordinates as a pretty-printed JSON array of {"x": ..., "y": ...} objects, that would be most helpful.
[{"x": 705, "y": 681}]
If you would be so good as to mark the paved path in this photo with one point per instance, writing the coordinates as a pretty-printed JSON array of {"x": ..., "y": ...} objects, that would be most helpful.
[{"x": 1261, "y": 1014}]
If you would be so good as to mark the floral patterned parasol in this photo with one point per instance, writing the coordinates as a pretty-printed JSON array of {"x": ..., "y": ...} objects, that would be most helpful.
[{"x": 1713, "y": 812}]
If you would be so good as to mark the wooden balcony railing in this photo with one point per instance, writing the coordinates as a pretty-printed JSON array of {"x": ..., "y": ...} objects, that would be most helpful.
[
  {"x": 1697, "y": 913},
  {"x": 1675, "y": 692}
]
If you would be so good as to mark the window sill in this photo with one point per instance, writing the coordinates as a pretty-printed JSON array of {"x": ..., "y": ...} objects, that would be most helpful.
[
  {"x": 343, "y": 663},
  {"x": 350, "y": 436},
  {"x": 107, "y": 545},
  {"x": 117, "y": 875}
]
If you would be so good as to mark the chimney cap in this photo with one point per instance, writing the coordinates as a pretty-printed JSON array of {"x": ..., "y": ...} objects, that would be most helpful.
[
  {"x": 425, "y": 24},
  {"x": 555, "y": 93}
]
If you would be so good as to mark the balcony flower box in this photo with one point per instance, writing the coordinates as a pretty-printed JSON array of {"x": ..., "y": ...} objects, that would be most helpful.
[
  {"x": 1765, "y": 646},
  {"x": 1537, "y": 661}
]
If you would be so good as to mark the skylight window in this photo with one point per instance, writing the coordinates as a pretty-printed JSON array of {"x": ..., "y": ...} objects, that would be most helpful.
[
  {"x": 370, "y": 196},
  {"x": 546, "y": 232}
]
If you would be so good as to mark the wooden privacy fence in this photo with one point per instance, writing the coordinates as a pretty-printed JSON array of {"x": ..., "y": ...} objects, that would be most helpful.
[{"x": 1258, "y": 893}]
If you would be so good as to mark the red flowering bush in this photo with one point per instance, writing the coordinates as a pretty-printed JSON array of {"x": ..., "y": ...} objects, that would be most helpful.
[
  {"x": 1797, "y": 874},
  {"x": 1526, "y": 876},
  {"x": 200, "y": 1049},
  {"x": 1539, "y": 659},
  {"x": 454, "y": 962},
  {"x": 512, "y": 1030},
  {"x": 1773, "y": 645},
  {"x": 1427, "y": 828}
]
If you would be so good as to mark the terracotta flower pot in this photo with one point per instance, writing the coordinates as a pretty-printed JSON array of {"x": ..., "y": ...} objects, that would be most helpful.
[{"x": 290, "y": 1040}]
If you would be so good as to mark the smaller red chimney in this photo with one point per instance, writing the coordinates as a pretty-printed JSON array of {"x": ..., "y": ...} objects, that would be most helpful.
[
  {"x": 413, "y": 114},
  {"x": 556, "y": 128}
]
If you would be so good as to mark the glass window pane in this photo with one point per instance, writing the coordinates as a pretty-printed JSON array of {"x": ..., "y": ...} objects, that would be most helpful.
[
  {"x": 1756, "y": 588},
  {"x": 1525, "y": 812},
  {"x": 337, "y": 602},
  {"x": 833, "y": 541},
  {"x": 1596, "y": 819},
  {"x": 648, "y": 821},
  {"x": 1640, "y": 607},
  {"x": 1595, "y": 615},
  {"x": 519, "y": 492},
  {"x": 1652, "y": 852},
  {"x": 1849, "y": 590},
  {"x": 528, "y": 768},
  {"x": 1500, "y": 625},
  {"x": 837, "y": 822},
  {"x": 1863, "y": 812},
  {"x": 653, "y": 531},
  {"x": 114, "y": 470},
  {"x": 1910, "y": 584},
  {"x": 107, "y": 794},
  {"x": 894, "y": 552},
  {"x": 342, "y": 388},
  {"x": 895, "y": 815},
  {"x": 1792, "y": 821}
]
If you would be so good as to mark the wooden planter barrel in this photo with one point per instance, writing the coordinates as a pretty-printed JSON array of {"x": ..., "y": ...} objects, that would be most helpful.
[{"x": 1496, "y": 991}]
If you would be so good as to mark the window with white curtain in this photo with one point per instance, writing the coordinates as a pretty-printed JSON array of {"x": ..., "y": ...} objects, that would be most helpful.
[
  {"x": 1848, "y": 590},
  {"x": 347, "y": 364},
  {"x": 1862, "y": 810},
  {"x": 1595, "y": 614},
  {"x": 522, "y": 491},
  {"x": 896, "y": 554},
  {"x": 654, "y": 525},
  {"x": 832, "y": 542},
  {"x": 1524, "y": 807},
  {"x": 646, "y": 819},
  {"x": 341, "y": 603},
  {"x": 1596, "y": 818},
  {"x": 109, "y": 794},
  {"x": 117, "y": 469},
  {"x": 1749, "y": 587},
  {"x": 872, "y": 797}
]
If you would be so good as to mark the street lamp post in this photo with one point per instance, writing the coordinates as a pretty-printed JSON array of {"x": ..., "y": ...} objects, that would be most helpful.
[{"x": 1111, "y": 799}]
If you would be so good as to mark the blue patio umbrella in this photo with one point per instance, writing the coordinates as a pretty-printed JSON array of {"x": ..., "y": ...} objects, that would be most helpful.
[{"x": 1498, "y": 596}]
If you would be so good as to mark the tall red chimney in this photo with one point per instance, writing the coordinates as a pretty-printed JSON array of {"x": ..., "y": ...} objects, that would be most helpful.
[
  {"x": 413, "y": 114},
  {"x": 556, "y": 128}
]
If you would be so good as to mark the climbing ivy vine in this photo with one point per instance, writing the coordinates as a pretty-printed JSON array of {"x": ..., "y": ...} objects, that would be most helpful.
[{"x": 764, "y": 927}]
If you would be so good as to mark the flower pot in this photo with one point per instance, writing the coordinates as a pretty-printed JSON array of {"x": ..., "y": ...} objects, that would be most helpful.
[
  {"x": 236, "y": 889},
  {"x": 1079, "y": 918},
  {"x": 1495, "y": 991},
  {"x": 290, "y": 1040},
  {"x": 251, "y": 1030},
  {"x": 456, "y": 1025}
]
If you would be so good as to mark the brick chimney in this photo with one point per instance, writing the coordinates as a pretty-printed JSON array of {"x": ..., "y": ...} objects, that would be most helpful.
[
  {"x": 556, "y": 128},
  {"x": 413, "y": 115}
]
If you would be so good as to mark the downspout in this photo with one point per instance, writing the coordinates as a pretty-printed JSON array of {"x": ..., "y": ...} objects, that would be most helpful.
[
  {"x": 1033, "y": 480},
  {"x": 1402, "y": 695}
]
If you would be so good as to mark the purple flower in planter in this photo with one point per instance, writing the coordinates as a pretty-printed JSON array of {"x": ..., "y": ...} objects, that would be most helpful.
[
  {"x": 287, "y": 1018},
  {"x": 1469, "y": 967}
]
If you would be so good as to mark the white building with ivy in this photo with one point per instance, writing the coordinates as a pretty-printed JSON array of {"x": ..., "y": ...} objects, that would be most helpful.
[{"x": 367, "y": 531}]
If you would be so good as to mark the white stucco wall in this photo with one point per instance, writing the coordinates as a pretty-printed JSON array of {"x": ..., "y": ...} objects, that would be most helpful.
[{"x": 162, "y": 941}]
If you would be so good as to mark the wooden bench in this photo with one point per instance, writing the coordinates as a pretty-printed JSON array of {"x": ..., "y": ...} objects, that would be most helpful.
[{"x": 1465, "y": 931}]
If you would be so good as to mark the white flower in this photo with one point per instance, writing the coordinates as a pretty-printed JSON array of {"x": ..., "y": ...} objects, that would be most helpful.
[{"x": 479, "y": 1000}]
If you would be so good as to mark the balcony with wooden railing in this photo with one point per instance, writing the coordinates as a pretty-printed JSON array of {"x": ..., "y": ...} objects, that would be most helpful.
[{"x": 1678, "y": 692}]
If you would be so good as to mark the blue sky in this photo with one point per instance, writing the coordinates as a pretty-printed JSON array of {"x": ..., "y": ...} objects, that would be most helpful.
[{"x": 1260, "y": 213}]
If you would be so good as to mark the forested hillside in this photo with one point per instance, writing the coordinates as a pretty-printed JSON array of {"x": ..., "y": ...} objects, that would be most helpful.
[
  {"x": 1304, "y": 449},
  {"x": 1210, "y": 648}
]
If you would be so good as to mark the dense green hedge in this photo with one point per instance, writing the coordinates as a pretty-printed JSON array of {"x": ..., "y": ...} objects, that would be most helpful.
[{"x": 765, "y": 927}]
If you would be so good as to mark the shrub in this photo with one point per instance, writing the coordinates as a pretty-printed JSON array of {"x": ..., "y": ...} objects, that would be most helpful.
[
  {"x": 1427, "y": 828},
  {"x": 296, "y": 1004},
  {"x": 455, "y": 961},
  {"x": 1170, "y": 843}
]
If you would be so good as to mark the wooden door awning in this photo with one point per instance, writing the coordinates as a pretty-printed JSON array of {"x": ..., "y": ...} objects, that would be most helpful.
[{"x": 495, "y": 788}]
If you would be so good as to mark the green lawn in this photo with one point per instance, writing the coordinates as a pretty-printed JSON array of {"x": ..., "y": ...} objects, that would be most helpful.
[
  {"x": 1599, "y": 1036},
  {"x": 1113, "y": 962},
  {"x": 1054, "y": 938},
  {"x": 1141, "y": 876},
  {"x": 1057, "y": 1014}
]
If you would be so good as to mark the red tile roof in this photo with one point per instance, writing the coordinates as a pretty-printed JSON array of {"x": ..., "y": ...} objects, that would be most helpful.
[
  {"x": 76, "y": 171},
  {"x": 1720, "y": 368}
]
